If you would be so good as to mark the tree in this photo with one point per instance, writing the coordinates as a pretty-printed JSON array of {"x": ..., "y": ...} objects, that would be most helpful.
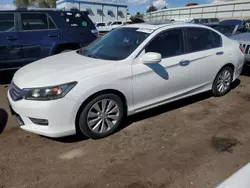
[
  {"x": 139, "y": 15},
  {"x": 40, "y": 3},
  {"x": 47, "y": 3},
  {"x": 137, "y": 18},
  {"x": 23, "y": 3},
  {"x": 165, "y": 7},
  {"x": 152, "y": 8}
]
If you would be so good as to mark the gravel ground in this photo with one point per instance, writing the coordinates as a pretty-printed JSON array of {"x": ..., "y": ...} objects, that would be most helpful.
[{"x": 167, "y": 147}]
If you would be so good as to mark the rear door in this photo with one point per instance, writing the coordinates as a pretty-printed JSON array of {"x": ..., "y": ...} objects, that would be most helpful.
[
  {"x": 38, "y": 34},
  {"x": 10, "y": 43},
  {"x": 205, "y": 55}
]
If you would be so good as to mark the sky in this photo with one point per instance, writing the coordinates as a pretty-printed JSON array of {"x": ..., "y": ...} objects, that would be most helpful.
[{"x": 137, "y": 5}]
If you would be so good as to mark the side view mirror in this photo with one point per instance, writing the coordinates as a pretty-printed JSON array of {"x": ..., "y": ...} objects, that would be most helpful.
[{"x": 151, "y": 58}]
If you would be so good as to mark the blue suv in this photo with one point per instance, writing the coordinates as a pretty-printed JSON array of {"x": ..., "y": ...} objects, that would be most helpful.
[{"x": 27, "y": 35}]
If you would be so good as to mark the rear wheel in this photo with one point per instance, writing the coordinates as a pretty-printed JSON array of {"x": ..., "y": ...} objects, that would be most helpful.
[
  {"x": 102, "y": 116},
  {"x": 223, "y": 81}
]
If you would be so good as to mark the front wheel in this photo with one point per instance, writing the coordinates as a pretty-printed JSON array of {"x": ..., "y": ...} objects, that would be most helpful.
[
  {"x": 102, "y": 116},
  {"x": 223, "y": 81}
]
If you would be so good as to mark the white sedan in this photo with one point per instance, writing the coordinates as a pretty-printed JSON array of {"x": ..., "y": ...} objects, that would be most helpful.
[{"x": 129, "y": 70}]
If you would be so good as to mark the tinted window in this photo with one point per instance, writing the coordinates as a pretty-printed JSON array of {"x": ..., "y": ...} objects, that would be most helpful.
[
  {"x": 115, "y": 45},
  {"x": 51, "y": 24},
  {"x": 204, "y": 21},
  {"x": 34, "y": 21},
  {"x": 217, "y": 41},
  {"x": 231, "y": 22},
  {"x": 224, "y": 29},
  {"x": 214, "y": 20},
  {"x": 75, "y": 19},
  {"x": 168, "y": 44},
  {"x": 201, "y": 39},
  {"x": 7, "y": 22}
]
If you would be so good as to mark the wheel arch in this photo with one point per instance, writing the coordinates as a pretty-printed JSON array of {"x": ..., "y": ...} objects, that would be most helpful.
[
  {"x": 229, "y": 65},
  {"x": 105, "y": 91}
]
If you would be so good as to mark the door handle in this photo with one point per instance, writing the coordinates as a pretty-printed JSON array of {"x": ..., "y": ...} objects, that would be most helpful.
[
  {"x": 219, "y": 53},
  {"x": 53, "y": 35},
  {"x": 184, "y": 63},
  {"x": 11, "y": 38}
]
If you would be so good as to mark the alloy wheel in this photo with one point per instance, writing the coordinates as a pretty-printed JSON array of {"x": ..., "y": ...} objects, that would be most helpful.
[
  {"x": 224, "y": 80},
  {"x": 103, "y": 116}
]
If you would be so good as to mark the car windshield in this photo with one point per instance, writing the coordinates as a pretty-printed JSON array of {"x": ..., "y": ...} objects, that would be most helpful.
[
  {"x": 116, "y": 45},
  {"x": 231, "y": 22}
]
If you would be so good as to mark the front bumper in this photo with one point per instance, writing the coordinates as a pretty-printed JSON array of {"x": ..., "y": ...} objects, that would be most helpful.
[{"x": 59, "y": 113}]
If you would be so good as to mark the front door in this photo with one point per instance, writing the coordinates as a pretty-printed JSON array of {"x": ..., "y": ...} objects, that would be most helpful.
[
  {"x": 10, "y": 43},
  {"x": 154, "y": 83}
]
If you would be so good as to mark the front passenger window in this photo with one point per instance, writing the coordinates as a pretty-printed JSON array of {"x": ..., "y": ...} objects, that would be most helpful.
[
  {"x": 7, "y": 23},
  {"x": 168, "y": 44}
]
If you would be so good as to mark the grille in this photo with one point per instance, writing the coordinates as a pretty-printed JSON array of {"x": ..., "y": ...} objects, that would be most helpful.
[
  {"x": 15, "y": 92},
  {"x": 246, "y": 47}
]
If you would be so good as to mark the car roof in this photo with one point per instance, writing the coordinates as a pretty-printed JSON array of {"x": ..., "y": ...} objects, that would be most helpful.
[
  {"x": 40, "y": 10},
  {"x": 156, "y": 26}
]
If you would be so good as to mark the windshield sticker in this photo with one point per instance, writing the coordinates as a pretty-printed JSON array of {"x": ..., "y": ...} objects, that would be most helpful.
[
  {"x": 144, "y": 30},
  {"x": 78, "y": 15}
]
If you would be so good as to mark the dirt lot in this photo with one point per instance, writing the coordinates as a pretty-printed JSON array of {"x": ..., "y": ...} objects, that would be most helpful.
[{"x": 167, "y": 147}]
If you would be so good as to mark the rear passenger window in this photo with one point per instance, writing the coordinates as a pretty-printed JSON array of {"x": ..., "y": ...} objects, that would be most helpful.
[
  {"x": 202, "y": 39},
  {"x": 34, "y": 21},
  {"x": 217, "y": 42},
  {"x": 168, "y": 44},
  {"x": 51, "y": 24},
  {"x": 7, "y": 23}
]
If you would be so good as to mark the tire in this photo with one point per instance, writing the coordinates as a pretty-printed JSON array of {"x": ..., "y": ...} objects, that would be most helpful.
[
  {"x": 223, "y": 81},
  {"x": 97, "y": 123}
]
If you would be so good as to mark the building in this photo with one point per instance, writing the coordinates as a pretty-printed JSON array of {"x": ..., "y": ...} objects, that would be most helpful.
[
  {"x": 99, "y": 11},
  {"x": 228, "y": 10}
]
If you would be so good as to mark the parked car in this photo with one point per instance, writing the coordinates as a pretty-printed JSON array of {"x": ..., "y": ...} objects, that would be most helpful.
[
  {"x": 236, "y": 32},
  {"x": 102, "y": 27},
  {"x": 205, "y": 20},
  {"x": 238, "y": 179},
  {"x": 111, "y": 26},
  {"x": 129, "y": 70},
  {"x": 241, "y": 25},
  {"x": 27, "y": 35}
]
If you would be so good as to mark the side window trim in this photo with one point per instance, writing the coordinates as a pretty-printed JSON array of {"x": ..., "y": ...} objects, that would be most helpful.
[
  {"x": 15, "y": 22},
  {"x": 48, "y": 17},
  {"x": 183, "y": 42}
]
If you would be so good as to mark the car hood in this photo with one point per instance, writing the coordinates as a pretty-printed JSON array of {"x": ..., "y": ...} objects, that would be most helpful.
[
  {"x": 58, "y": 69},
  {"x": 243, "y": 37}
]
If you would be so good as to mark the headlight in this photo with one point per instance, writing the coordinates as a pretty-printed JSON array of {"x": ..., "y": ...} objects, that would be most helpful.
[{"x": 48, "y": 93}]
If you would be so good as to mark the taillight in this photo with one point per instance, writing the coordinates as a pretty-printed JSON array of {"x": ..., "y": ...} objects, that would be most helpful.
[
  {"x": 242, "y": 50},
  {"x": 95, "y": 32}
]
